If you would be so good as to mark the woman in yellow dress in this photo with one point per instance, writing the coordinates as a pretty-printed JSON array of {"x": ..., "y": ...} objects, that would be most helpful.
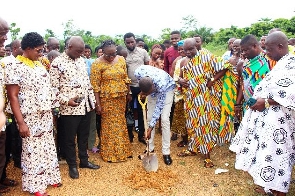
[{"x": 111, "y": 89}]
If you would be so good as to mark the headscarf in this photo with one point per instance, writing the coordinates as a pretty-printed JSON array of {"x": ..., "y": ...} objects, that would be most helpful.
[{"x": 180, "y": 43}]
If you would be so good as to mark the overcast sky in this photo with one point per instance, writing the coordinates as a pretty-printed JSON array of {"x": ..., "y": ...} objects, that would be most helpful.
[{"x": 114, "y": 17}]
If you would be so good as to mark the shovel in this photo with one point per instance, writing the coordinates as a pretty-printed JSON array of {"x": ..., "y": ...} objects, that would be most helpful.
[{"x": 149, "y": 160}]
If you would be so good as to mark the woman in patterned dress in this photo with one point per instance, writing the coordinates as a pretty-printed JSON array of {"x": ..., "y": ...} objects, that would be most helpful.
[
  {"x": 29, "y": 93},
  {"x": 111, "y": 89}
]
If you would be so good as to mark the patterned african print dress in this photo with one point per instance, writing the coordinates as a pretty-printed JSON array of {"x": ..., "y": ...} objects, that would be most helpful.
[
  {"x": 265, "y": 142},
  {"x": 110, "y": 81},
  {"x": 39, "y": 159},
  {"x": 178, "y": 122},
  {"x": 203, "y": 106}
]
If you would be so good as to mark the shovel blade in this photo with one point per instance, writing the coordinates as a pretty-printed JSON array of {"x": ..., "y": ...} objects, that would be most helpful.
[{"x": 150, "y": 163}]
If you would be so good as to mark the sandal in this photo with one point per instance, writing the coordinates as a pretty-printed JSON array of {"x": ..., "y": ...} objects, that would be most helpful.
[
  {"x": 57, "y": 185},
  {"x": 208, "y": 163},
  {"x": 41, "y": 194},
  {"x": 9, "y": 182},
  {"x": 181, "y": 144},
  {"x": 136, "y": 129},
  {"x": 261, "y": 190},
  {"x": 186, "y": 153},
  {"x": 95, "y": 150}
]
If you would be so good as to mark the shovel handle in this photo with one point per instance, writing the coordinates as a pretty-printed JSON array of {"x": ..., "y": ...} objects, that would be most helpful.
[{"x": 143, "y": 105}]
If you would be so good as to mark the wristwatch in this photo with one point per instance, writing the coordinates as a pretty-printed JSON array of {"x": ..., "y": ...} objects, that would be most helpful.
[
  {"x": 266, "y": 104},
  {"x": 212, "y": 79}
]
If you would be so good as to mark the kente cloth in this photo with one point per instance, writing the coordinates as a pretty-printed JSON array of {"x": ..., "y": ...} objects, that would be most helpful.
[
  {"x": 202, "y": 106},
  {"x": 254, "y": 71},
  {"x": 228, "y": 100},
  {"x": 265, "y": 142}
]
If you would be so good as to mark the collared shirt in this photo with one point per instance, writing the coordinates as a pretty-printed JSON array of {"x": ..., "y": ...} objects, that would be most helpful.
[
  {"x": 169, "y": 56},
  {"x": 134, "y": 59},
  {"x": 163, "y": 83},
  {"x": 69, "y": 79}
]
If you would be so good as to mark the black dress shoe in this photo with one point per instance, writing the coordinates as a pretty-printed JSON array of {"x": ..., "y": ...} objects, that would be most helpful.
[
  {"x": 142, "y": 140},
  {"x": 73, "y": 172},
  {"x": 167, "y": 159},
  {"x": 89, "y": 165}
]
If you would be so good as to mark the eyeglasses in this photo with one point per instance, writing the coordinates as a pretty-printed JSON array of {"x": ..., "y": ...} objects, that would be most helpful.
[
  {"x": 110, "y": 55},
  {"x": 40, "y": 51}
]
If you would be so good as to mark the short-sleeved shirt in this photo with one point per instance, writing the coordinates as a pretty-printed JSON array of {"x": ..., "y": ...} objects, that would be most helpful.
[
  {"x": 169, "y": 56},
  {"x": 35, "y": 93},
  {"x": 69, "y": 79},
  {"x": 134, "y": 59}
]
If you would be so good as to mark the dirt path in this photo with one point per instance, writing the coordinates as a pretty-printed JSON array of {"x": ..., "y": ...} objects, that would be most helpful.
[{"x": 192, "y": 178}]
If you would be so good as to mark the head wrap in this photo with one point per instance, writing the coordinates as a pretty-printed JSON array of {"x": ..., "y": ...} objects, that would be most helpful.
[{"x": 180, "y": 43}]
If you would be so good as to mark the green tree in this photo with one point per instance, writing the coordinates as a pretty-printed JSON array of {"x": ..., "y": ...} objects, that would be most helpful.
[
  {"x": 14, "y": 31},
  {"x": 49, "y": 33}
]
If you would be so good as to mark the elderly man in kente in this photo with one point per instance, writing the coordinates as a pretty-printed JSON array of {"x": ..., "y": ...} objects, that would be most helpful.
[
  {"x": 159, "y": 87},
  {"x": 209, "y": 94},
  {"x": 265, "y": 142},
  {"x": 31, "y": 99}
]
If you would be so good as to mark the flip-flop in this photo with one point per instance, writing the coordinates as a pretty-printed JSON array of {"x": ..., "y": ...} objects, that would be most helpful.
[
  {"x": 186, "y": 153},
  {"x": 261, "y": 190},
  {"x": 181, "y": 144},
  {"x": 208, "y": 163}
]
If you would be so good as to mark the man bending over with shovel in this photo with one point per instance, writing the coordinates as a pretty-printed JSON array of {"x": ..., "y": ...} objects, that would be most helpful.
[{"x": 159, "y": 87}]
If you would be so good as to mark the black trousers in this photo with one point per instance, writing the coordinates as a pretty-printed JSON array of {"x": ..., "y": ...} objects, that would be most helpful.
[
  {"x": 2, "y": 151},
  {"x": 13, "y": 145},
  {"x": 98, "y": 128},
  {"x": 60, "y": 138},
  {"x": 135, "y": 91},
  {"x": 76, "y": 125}
]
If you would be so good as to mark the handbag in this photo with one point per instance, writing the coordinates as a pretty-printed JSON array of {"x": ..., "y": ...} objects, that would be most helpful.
[{"x": 129, "y": 115}]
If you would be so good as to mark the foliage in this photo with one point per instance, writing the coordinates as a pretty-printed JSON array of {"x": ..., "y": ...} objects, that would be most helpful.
[
  {"x": 214, "y": 41},
  {"x": 14, "y": 31}
]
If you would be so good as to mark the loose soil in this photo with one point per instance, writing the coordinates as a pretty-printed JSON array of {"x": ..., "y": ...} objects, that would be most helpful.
[{"x": 186, "y": 176}]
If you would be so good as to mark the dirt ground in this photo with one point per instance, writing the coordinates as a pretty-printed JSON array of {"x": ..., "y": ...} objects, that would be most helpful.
[{"x": 186, "y": 176}]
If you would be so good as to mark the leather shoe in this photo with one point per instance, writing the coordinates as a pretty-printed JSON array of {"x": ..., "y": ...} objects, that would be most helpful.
[
  {"x": 89, "y": 165},
  {"x": 167, "y": 159},
  {"x": 73, "y": 172},
  {"x": 142, "y": 140}
]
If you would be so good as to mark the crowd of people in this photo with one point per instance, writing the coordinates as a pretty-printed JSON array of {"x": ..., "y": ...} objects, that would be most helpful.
[{"x": 55, "y": 103}]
